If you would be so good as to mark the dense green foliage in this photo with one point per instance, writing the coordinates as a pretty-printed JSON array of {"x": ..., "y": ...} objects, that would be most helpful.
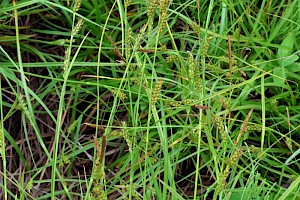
[{"x": 149, "y": 99}]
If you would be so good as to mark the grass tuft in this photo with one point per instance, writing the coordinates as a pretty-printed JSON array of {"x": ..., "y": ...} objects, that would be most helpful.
[{"x": 149, "y": 99}]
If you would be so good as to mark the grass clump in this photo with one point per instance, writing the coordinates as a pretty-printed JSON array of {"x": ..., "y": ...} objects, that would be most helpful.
[{"x": 149, "y": 100}]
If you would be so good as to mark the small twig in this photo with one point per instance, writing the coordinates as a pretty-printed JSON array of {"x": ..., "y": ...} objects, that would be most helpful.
[
  {"x": 101, "y": 127},
  {"x": 102, "y": 154},
  {"x": 97, "y": 146},
  {"x": 202, "y": 107},
  {"x": 116, "y": 49},
  {"x": 198, "y": 4},
  {"x": 146, "y": 50},
  {"x": 244, "y": 126},
  {"x": 288, "y": 117},
  {"x": 230, "y": 54}
]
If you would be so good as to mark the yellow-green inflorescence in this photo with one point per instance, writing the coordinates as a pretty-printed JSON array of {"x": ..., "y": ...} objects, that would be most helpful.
[
  {"x": 67, "y": 58},
  {"x": 222, "y": 179},
  {"x": 125, "y": 134},
  {"x": 29, "y": 185},
  {"x": 206, "y": 46},
  {"x": 192, "y": 67},
  {"x": 77, "y": 27},
  {"x": 118, "y": 93},
  {"x": 156, "y": 92},
  {"x": 224, "y": 102},
  {"x": 220, "y": 125},
  {"x": 2, "y": 142},
  {"x": 98, "y": 193},
  {"x": 98, "y": 174},
  {"x": 196, "y": 28},
  {"x": 172, "y": 58},
  {"x": 127, "y": 3},
  {"x": 151, "y": 12},
  {"x": 76, "y": 6},
  {"x": 128, "y": 43},
  {"x": 198, "y": 78},
  {"x": 163, "y": 15}
]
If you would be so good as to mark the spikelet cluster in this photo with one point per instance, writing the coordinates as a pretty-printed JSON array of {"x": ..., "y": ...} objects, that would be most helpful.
[
  {"x": 227, "y": 60},
  {"x": 151, "y": 11},
  {"x": 98, "y": 193},
  {"x": 187, "y": 101},
  {"x": 112, "y": 134},
  {"x": 257, "y": 151},
  {"x": 206, "y": 46},
  {"x": 222, "y": 180},
  {"x": 64, "y": 161},
  {"x": 121, "y": 95},
  {"x": 21, "y": 104},
  {"x": 134, "y": 194},
  {"x": 198, "y": 79},
  {"x": 172, "y": 58},
  {"x": 77, "y": 27},
  {"x": 98, "y": 170},
  {"x": 289, "y": 143},
  {"x": 2, "y": 143},
  {"x": 192, "y": 66},
  {"x": 29, "y": 185},
  {"x": 128, "y": 43},
  {"x": 164, "y": 5},
  {"x": 253, "y": 127},
  {"x": 23, "y": 107},
  {"x": 151, "y": 8},
  {"x": 274, "y": 104},
  {"x": 163, "y": 15},
  {"x": 177, "y": 104},
  {"x": 72, "y": 126},
  {"x": 127, "y": 3},
  {"x": 76, "y": 6},
  {"x": 156, "y": 92},
  {"x": 125, "y": 134},
  {"x": 224, "y": 102},
  {"x": 139, "y": 39},
  {"x": 172, "y": 103},
  {"x": 98, "y": 173},
  {"x": 66, "y": 61},
  {"x": 213, "y": 68},
  {"x": 237, "y": 154},
  {"x": 237, "y": 33},
  {"x": 254, "y": 149},
  {"x": 220, "y": 125},
  {"x": 196, "y": 28},
  {"x": 163, "y": 47}
]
